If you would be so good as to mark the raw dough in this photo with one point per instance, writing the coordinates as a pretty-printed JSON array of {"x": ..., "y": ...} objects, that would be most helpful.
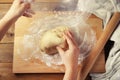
[{"x": 52, "y": 38}]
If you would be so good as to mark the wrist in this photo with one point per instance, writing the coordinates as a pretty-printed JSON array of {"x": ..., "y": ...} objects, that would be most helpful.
[
  {"x": 71, "y": 74},
  {"x": 71, "y": 69},
  {"x": 75, "y": 68}
]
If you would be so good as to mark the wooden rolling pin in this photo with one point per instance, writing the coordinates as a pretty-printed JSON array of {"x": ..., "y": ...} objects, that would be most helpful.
[{"x": 89, "y": 62}]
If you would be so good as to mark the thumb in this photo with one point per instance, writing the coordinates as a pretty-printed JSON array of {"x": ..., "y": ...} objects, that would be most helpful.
[{"x": 60, "y": 50}]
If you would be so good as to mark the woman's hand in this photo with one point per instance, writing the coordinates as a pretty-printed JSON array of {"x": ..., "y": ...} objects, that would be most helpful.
[
  {"x": 19, "y": 8},
  {"x": 70, "y": 56}
]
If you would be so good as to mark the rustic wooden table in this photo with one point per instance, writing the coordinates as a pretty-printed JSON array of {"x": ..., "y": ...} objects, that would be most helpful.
[{"x": 6, "y": 54}]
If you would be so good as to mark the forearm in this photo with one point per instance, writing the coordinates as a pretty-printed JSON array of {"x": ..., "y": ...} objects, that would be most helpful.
[
  {"x": 71, "y": 74},
  {"x": 5, "y": 24}
]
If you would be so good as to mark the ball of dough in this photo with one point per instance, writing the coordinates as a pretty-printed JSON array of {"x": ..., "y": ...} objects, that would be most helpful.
[{"x": 52, "y": 38}]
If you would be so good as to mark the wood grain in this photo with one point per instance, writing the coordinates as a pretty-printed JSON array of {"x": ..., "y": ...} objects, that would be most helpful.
[
  {"x": 5, "y": 1},
  {"x": 99, "y": 65},
  {"x": 6, "y": 66},
  {"x": 6, "y": 53},
  {"x": 7, "y": 74},
  {"x": 10, "y": 1},
  {"x": 4, "y": 8}
]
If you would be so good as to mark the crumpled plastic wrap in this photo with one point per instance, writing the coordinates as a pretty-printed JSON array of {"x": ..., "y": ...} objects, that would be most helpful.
[
  {"x": 66, "y": 13},
  {"x": 76, "y": 21}
]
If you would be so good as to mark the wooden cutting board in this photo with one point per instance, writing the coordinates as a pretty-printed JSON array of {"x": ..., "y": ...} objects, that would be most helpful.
[{"x": 21, "y": 27}]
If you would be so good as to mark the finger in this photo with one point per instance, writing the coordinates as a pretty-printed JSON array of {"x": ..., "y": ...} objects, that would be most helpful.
[
  {"x": 21, "y": 1},
  {"x": 27, "y": 15},
  {"x": 69, "y": 40},
  {"x": 30, "y": 11},
  {"x": 72, "y": 37},
  {"x": 69, "y": 33},
  {"x": 60, "y": 50}
]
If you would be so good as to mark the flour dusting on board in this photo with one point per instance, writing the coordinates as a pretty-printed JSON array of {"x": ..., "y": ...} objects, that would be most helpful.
[{"x": 76, "y": 21}]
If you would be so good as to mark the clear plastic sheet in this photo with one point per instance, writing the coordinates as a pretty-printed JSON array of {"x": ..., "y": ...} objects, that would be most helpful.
[
  {"x": 84, "y": 36},
  {"x": 63, "y": 16}
]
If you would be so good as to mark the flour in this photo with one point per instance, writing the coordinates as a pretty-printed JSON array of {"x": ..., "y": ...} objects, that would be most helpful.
[{"x": 83, "y": 33}]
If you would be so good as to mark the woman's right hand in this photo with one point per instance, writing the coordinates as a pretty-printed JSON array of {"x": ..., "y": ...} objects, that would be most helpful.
[{"x": 70, "y": 56}]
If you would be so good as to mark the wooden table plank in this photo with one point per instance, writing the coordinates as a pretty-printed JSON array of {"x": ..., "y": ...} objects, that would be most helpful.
[
  {"x": 10, "y": 1},
  {"x": 4, "y": 8},
  {"x": 6, "y": 74},
  {"x": 5, "y": 1},
  {"x": 6, "y": 53}
]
